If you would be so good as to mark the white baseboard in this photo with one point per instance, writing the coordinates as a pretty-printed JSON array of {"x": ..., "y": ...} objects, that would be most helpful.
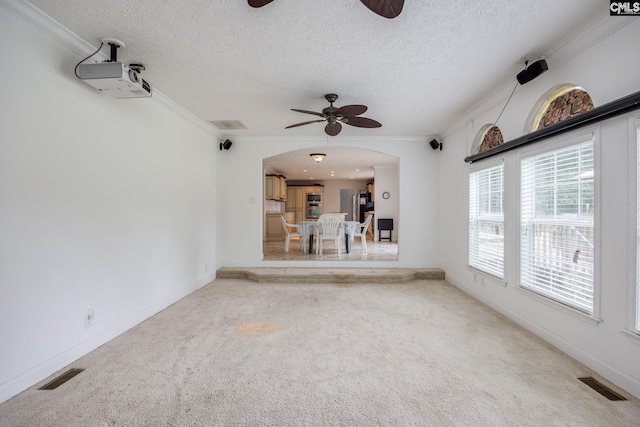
[
  {"x": 51, "y": 366},
  {"x": 602, "y": 368}
]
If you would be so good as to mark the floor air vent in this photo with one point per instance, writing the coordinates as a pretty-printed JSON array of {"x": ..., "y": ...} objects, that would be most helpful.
[
  {"x": 61, "y": 379},
  {"x": 602, "y": 389}
]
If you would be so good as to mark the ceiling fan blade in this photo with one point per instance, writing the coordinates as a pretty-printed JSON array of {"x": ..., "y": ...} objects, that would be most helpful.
[
  {"x": 259, "y": 3},
  {"x": 308, "y": 112},
  {"x": 332, "y": 129},
  {"x": 361, "y": 122},
  {"x": 386, "y": 8},
  {"x": 351, "y": 110},
  {"x": 304, "y": 123}
]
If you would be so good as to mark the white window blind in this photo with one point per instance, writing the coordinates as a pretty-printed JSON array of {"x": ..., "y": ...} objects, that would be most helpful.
[
  {"x": 557, "y": 225},
  {"x": 486, "y": 220}
]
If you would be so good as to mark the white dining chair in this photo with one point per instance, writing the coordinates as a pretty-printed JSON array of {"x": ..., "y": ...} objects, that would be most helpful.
[
  {"x": 361, "y": 231},
  {"x": 329, "y": 228},
  {"x": 290, "y": 234}
]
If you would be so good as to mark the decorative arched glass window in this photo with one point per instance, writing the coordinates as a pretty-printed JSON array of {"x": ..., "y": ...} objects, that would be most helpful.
[
  {"x": 489, "y": 136},
  {"x": 558, "y": 104}
]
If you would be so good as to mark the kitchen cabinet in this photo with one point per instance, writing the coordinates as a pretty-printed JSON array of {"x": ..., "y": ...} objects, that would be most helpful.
[
  {"x": 273, "y": 225},
  {"x": 297, "y": 199},
  {"x": 282, "y": 191},
  {"x": 292, "y": 200},
  {"x": 314, "y": 189},
  {"x": 295, "y": 203},
  {"x": 371, "y": 188},
  {"x": 275, "y": 187}
]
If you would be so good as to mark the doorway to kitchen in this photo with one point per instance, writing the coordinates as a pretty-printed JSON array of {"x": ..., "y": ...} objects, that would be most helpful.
[{"x": 348, "y": 180}]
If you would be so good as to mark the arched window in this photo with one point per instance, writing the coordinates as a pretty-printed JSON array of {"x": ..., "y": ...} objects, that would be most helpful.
[
  {"x": 488, "y": 137},
  {"x": 558, "y": 104}
]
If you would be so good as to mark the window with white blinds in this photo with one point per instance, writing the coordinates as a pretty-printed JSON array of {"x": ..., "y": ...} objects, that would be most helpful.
[
  {"x": 557, "y": 238},
  {"x": 486, "y": 220}
]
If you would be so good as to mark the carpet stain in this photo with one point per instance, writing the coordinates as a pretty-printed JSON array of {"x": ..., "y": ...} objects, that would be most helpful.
[
  {"x": 258, "y": 329},
  {"x": 342, "y": 280}
]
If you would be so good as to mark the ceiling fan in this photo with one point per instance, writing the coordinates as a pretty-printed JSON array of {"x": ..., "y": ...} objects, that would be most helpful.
[
  {"x": 386, "y": 8},
  {"x": 334, "y": 116}
]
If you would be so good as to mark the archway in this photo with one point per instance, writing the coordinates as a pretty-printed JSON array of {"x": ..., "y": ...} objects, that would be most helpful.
[{"x": 367, "y": 173}]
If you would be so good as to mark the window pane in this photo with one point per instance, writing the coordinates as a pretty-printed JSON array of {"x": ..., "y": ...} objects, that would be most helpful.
[
  {"x": 557, "y": 225},
  {"x": 486, "y": 220}
]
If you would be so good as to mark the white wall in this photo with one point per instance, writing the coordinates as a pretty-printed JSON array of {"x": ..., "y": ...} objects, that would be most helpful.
[
  {"x": 331, "y": 195},
  {"x": 241, "y": 217},
  {"x": 387, "y": 180},
  {"x": 608, "y": 70},
  {"x": 106, "y": 203}
]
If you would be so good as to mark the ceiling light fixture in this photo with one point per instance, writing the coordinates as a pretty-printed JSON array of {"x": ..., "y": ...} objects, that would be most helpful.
[{"x": 318, "y": 157}]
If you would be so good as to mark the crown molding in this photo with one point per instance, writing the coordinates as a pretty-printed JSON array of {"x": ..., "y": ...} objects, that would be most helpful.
[
  {"x": 43, "y": 22},
  {"x": 323, "y": 140},
  {"x": 61, "y": 34},
  {"x": 590, "y": 37}
]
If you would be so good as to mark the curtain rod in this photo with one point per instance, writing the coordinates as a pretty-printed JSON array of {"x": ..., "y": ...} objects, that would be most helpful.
[{"x": 603, "y": 112}]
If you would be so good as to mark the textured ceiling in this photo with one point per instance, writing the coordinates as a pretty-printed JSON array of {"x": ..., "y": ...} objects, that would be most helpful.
[
  {"x": 223, "y": 60},
  {"x": 340, "y": 163}
]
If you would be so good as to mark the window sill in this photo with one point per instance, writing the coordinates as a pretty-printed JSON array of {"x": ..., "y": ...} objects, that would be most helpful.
[
  {"x": 633, "y": 336},
  {"x": 498, "y": 281},
  {"x": 573, "y": 312}
]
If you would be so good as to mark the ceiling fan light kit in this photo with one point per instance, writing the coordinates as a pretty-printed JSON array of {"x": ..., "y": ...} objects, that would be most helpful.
[{"x": 334, "y": 116}]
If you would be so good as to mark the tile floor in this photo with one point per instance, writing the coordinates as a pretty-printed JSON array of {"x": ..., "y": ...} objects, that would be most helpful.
[{"x": 376, "y": 251}]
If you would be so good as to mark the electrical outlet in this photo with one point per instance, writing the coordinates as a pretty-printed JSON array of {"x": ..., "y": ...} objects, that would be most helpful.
[
  {"x": 206, "y": 268},
  {"x": 88, "y": 318}
]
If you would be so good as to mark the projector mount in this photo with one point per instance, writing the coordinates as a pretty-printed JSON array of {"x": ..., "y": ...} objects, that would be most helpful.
[{"x": 114, "y": 45}]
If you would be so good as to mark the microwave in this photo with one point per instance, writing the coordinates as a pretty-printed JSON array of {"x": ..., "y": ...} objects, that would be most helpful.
[{"x": 314, "y": 198}]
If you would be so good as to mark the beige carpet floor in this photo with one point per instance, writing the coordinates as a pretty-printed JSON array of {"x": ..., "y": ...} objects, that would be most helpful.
[{"x": 238, "y": 353}]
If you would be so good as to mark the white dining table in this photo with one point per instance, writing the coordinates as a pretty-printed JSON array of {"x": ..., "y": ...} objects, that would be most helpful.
[{"x": 308, "y": 231}]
